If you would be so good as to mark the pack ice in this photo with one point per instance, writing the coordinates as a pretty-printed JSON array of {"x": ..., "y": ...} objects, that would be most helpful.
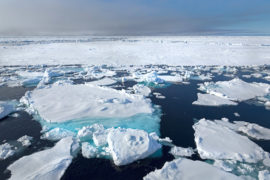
[
  {"x": 235, "y": 89},
  {"x": 211, "y": 144},
  {"x": 186, "y": 169},
  {"x": 61, "y": 103},
  {"x": 46, "y": 164}
]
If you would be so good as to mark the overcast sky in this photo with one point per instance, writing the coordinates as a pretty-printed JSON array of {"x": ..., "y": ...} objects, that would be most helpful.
[{"x": 137, "y": 17}]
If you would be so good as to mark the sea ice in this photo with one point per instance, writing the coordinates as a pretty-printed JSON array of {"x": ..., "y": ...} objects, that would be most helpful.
[
  {"x": 25, "y": 140},
  {"x": 86, "y": 132},
  {"x": 141, "y": 89},
  {"x": 47, "y": 164},
  {"x": 103, "y": 82},
  {"x": 129, "y": 145},
  {"x": 235, "y": 89},
  {"x": 71, "y": 102},
  {"x": 173, "y": 79},
  {"x": 6, "y": 107},
  {"x": 57, "y": 134},
  {"x": 212, "y": 100},
  {"x": 89, "y": 151},
  {"x": 264, "y": 175},
  {"x": 180, "y": 151},
  {"x": 211, "y": 144},
  {"x": 189, "y": 170},
  {"x": 6, "y": 150}
]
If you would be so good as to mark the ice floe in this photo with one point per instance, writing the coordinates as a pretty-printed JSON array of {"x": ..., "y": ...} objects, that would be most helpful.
[
  {"x": 25, "y": 140},
  {"x": 189, "y": 170},
  {"x": 211, "y": 144},
  {"x": 47, "y": 164},
  {"x": 264, "y": 175},
  {"x": 6, "y": 150},
  {"x": 235, "y": 89},
  {"x": 103, "y": 82},
  {"x": 141, "y": 89},
  {"x": 70, "y": 102},
  {"x": 128, "y": 145},
  {"x": 7, "y": 107},
  {"x": 212, "y": 100},
  {"x": 180, "y": 151},
  {"x": 57, "y": 134}
]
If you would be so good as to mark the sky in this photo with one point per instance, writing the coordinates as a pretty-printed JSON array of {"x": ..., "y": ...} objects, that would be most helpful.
[{"x": 134, "y": 17}]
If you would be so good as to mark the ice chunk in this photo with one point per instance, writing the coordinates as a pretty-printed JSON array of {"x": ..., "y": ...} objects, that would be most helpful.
[
  {"x": 264, "y": 175},
  {"x": 6, "y": 150},
  {"x": 151, "y": 77},
  {"x": 89, "y": 151},
  {"x": 189, "y": 170},
  {"x": 57, "y": 134},
  {"x": 70, "y": 102},
  {"x": 86, "y": 132},
  {"x": 174, "y": 79},
  {"x": 102, "y": 82},
  {"x": 236, "y": 114},
  {"x": 47, "y": 164},
  {"x": 212, "y": 100},
  {"x": 129, "y": 145},
  {"x": 255, "y": 131},
  {"x": 100, "y": 137},
  {"x": 211, "y": 144},
  {"x": 141, "y": 89},
  {"x": 236, "y": 89},
  {"x": 6, "y": 107},
  {"x": 179, "y": 151},
  {"x": 25, "y": 140}
]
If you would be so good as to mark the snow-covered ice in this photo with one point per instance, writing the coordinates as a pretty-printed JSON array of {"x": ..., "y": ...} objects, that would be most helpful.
[
  {"x": 235, "y": 89},
  {"x": 103, "y": 82},
  {"x": 70, "y": 102},
  {"x": 128, "y": 145},
  {"x": 86, "y": 132},
  {"x": 212, "y": 100},
  {"x": 211, "y": 144},
  {"x": 264, "y": 175},
  {"x": 6, "y": 107},
  {"x": 6, "y": 150},
  {"x": 141, "y": 89},
  {"x": 47, "y": 164},
  {"x": 177, "y": 50},
  {"x": 57, "y": 134},
  {"x": 180, "y": 151},
  {"x": 25, "y": 140},
  {"x": 89, "y": 151},
  {"x": 186, "y": 169}
]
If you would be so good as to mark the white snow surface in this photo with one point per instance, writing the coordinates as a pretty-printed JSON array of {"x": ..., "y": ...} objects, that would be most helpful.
[
  {"x": 6, "y": 151},
  {"x": 57, "y": 134},
  {"x": 47, "y": 164},
  {"x": 211, "y": 144},
  {"x": 25, "y": 140},
  {"x": 129, "y": 145},
  {"x": 141, "y": 89},
  {"x": 172, "y": 50},
  {"x": 89, "y": 151},
  {"x": 186, "y": 169},
  {"x": 236, "y": 89},
  {"x": 212, "y": 100},
  {"x": 60, "y": 103},
  {"x": 180, "y": 151}
]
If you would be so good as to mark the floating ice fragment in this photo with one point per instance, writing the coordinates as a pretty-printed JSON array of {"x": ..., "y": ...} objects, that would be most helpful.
[
  {"x": 179, "y": 151},
  {"x": 6, "y": 107},
  {"x": 25, "y": 140},
  {"x": 89, "y": 151},
  {"x": 141, "y": 89},
  {"x": 235, "y": 89},
  {"x": 47, "y": 164},
  {"x": 186, "y": 169},
  {"x": 86, "y": 132},
  {"x": 211, "y": 144},
  {"x": 129, "y": 145},
  {"x": 212, "y": 100},
  {"x": 103, "y": 82},
  {"x": 57, "y": 134},
  {"x": 6, "y": 150},
  {"x": 72, "y": 102}
]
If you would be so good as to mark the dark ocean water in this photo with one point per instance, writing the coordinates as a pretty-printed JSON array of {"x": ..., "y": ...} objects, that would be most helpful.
[{"x": 178, "y": 116}]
